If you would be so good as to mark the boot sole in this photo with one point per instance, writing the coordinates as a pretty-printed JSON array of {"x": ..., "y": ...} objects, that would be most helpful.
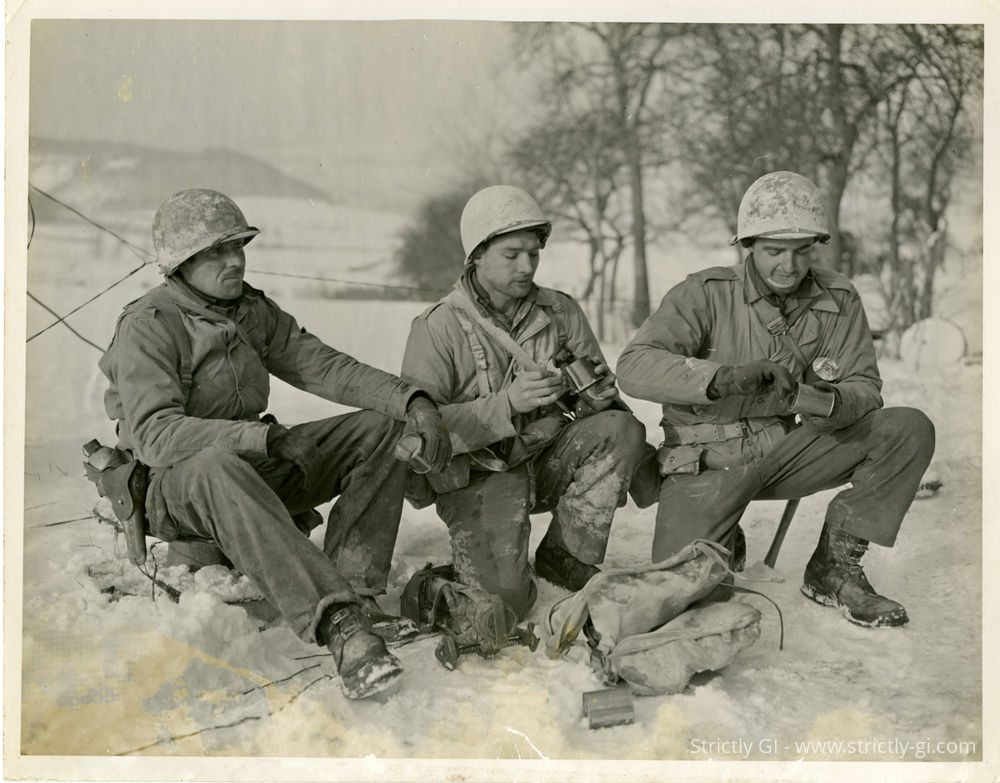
[
  {"x": 892, "y": 621},
  {"x": 373, "y": 677}
]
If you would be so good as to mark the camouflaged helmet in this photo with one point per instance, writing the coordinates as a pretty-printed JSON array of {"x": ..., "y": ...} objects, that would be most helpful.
[
  {"x": 781, "y": 205},
  {"x": 194, "y": 220},
  {"x": 500, "y": 209}
]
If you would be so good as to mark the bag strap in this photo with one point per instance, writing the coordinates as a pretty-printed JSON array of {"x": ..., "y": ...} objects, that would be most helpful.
[
  {"x": 478, "y": 352},
  {"x": 495, "y": 333},
  {"x": 778, "y": 325},
  {"x": 172, "y": 318}
]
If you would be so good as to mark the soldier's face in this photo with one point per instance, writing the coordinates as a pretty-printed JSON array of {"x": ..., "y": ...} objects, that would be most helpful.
[
  {"x": 783, "y": 263},
  {"x": 507, "y": 269},
  {"x": 218, "y": 271}
]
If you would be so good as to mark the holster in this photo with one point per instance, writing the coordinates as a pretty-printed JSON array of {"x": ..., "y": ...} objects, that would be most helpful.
[{"x": 125, "y": 486}]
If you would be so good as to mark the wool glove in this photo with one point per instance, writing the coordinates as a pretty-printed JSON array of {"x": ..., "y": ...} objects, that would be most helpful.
[
  {"x": 423, "y": 419},
  {"x": 750, "y": 379},
  {"x": 286, "y": 445}
]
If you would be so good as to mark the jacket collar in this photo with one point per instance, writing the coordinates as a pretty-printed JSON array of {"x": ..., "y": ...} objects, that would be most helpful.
[
  {"x": 531, "y": 315},
  {"x": 183, "y": 293},
  {"x": 809, "y": 288}
]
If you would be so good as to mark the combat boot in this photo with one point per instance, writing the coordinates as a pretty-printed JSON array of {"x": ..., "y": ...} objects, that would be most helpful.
[
  {"x": 554, "y": 564},
  {"x": 834, "y": 577},
  {"x": 391, "y": 629},
  {"x": 364, "y": 664}
]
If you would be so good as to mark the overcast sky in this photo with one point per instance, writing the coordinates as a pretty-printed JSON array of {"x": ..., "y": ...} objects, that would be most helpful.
[{"x": 329, "y": 91}]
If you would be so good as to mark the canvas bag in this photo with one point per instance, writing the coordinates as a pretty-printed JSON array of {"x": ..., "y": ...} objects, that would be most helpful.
[{"x": 642, "y": 629}]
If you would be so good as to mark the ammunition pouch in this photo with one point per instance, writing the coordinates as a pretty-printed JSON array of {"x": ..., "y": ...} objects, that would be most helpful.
[
  {"x": 691, "y": 448},
  {"x": 679, "y": 460}
]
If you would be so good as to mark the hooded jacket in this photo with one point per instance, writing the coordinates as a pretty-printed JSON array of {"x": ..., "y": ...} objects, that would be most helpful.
[{"x": 233, "y": 349}]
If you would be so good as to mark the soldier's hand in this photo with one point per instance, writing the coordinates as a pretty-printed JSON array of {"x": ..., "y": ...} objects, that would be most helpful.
[
  {"x": 598, "y": 397},
  {"x": 423, "y": 419},
  {"x": 605, "y": 388},
  {"x": 284, "y": 444},
  {"x": 750, "y": 379},
  {"x": 534, "y": 389}
]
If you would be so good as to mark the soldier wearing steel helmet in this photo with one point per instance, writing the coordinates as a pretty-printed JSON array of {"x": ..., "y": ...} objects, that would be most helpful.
[
  {"x": 189, "y": 372},
  {"x": 730, "y": 353},
  {"x": 486, "y": 354}
]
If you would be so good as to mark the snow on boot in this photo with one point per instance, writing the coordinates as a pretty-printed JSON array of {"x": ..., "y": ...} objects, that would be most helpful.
[
  {"x": 394, "y": 631},
  {"x": 554, "y": 564},
  {"x": 364, "y": 664},
  {"x": 834, "y": 577}
]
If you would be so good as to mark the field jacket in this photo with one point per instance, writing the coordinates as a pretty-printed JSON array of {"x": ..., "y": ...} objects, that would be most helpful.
[
  {"x": 467, "y": 374},
  {"x": 232, "y": 352},
  {"x": 710, "y": 320}
]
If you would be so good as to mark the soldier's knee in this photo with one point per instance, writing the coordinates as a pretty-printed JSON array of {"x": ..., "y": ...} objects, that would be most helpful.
[
  {"x": 214, "y": 470},
  {"x": 912, "y": 426},
  {"x": 378, "y": 424},
  {"x": 620, "y": 427},
  {"x": 215, "y": 463}
]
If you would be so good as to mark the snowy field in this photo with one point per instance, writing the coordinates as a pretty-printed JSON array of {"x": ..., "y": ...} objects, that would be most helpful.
[{"x": 141, "y": 677}]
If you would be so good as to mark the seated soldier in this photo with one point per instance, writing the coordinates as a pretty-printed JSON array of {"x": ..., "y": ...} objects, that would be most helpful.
[
  {"x": 733, "y": 354},
  {"x": 189, "y": 371},
  {"x": 486, "y": 354}
]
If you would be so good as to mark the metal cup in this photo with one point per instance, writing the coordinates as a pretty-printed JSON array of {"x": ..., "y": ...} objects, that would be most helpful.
[
  {"x": 810, "y": 401},
  {"x": 580, "y": 373}
]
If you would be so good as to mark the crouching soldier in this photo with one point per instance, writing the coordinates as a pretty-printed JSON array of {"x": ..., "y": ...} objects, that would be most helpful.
[
  {"x": 189, "y": 371},
  {"x": 488, "y": 353},
  {"x": 734, "y": 354}
]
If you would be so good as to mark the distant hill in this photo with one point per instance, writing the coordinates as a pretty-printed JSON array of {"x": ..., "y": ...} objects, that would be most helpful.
[{"x": 122, "y": 181}]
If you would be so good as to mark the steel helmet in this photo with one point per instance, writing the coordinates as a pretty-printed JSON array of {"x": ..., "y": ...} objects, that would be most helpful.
[
  {"x": 782, "y": 205},
  {"x": 194, "y": 220},
  {"x": 500, "y": 209}
]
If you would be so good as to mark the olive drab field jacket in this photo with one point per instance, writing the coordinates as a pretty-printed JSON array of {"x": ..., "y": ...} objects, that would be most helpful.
[
  {"x": 710, "y": 320},
  {"x": 230, "y": 352},
  {"x": 467, "y": 373}
]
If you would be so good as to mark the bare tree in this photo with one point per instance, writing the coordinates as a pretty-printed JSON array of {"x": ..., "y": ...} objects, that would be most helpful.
[
  {"x": 572, "y": 165},
  {"x": 624, "y": 64},
  {"x": 926, "y": 135}
]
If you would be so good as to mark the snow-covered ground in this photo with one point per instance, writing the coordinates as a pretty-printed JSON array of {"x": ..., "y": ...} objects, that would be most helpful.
[{"x": 141, "y": 677}]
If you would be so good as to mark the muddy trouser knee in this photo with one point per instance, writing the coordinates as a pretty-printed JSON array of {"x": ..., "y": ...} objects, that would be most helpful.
[
  {"x": 359, "y": 468},
  {"x": 489, "y": 527},
  {"x": 215, "y": 495},
  {"x": 882, "y": 456},
  {"x": 583, "y": 478}
]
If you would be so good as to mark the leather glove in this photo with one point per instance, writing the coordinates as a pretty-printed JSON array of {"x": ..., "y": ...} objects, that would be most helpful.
[
  {"x": 750, "y": 379},
  {"x": 842, "y": 415},
  {"x": 423, "y": 419},
  {"x": 286, "y": 445}
]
